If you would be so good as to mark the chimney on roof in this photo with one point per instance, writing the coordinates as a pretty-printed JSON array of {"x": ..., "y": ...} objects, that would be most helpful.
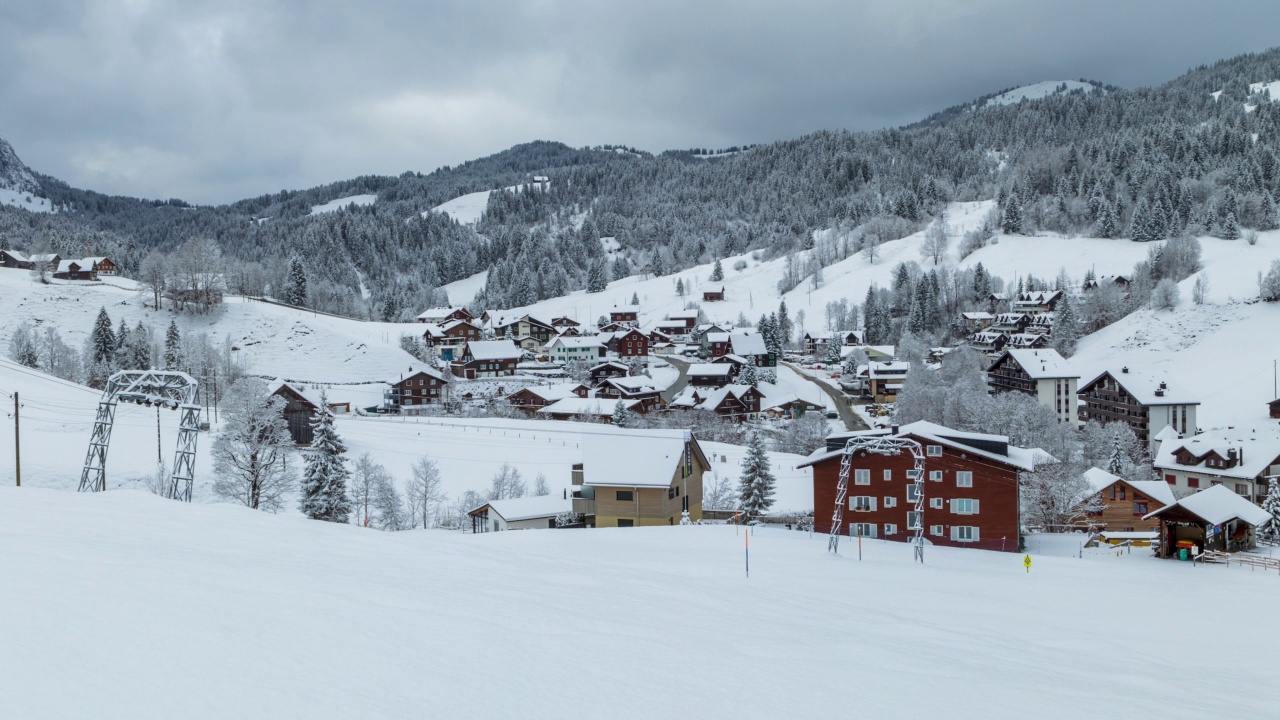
[
  {"x": 1164, "y": 386},
  {"x": 893, "y": 430},
  {"x": 1159, "y": 392},
  {"x": 1125, "y": 369}
]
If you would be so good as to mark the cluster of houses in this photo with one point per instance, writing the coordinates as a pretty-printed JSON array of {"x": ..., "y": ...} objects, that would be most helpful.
[
  {"x": 1027, "y": 323},
  {"x": 89, "y": 268}
]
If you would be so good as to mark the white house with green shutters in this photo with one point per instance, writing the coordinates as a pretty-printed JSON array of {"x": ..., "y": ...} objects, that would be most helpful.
[{"x": 567, "y": 349}]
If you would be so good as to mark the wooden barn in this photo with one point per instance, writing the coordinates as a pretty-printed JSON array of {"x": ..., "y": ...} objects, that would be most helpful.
[{"x": 299, "y": 410}]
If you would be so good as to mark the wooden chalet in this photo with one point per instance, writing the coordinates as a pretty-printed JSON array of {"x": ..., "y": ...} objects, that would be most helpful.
[
  {"x": 1043, "y": 374},
  {"x": 630, "y": 478},
  {"x": 820, "y": 343},
  {"x": 423, "y": 387},
  {"x": 564, "y": 322},
  {"x": 715, "y": 343},
  {"x": 884, "y": 379},
  {"x": 1274, "y": 408},
  {"x": 535, "y": 397},
  {"x": 100, "y": 265},
  {"x": 629, "y": 343},
  {"x": 736, "y": 402},
  {"x": 1126, "y": 504},
  {"x": 610, "y": 369},
  {"x": 1010, "y": 323},
  {"x": 442, "y": 315},
  {"x": 971, "y": 488},
  {"x": 299, "y": 411},
  {"x": 75, "y": 270},
  {"x": 448, "y": 337},
  {"x": 527, "y": 331},
  {"x": 1037, "y": 302},
  {"x": 688, "y": 317},
  {"x": 21, "y": 261},
  {"x": 672, "y": 329},
  {"x": 713, "y": 295},
  {"x": 712, "y": 374},
  {"x": 977, "y": 321},
  {"x": 752, "y": 347},
  {"x": 487, "y": 359},
  {"x": 988, "y": 343},
  {"x": 1121, "y": 281},
  {"x": 638, "y": 387},
  {"x": 627, "y": 315}
]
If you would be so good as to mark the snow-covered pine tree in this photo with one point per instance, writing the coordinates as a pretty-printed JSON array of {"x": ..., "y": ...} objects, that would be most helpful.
[
  {"x": 680, "y": 287},
  {"x": 172, "y": 347},
  {"x": 717, "y": 272},
  {"x": 324, "y": 479},
  {"x": 1011, "y": 221},
  {"x": 834, "y": 346},
  {"x": 597, "y": 279},
  {"x": 622, "y": 417},
  {"x": 785, "y": 326},
  {"x": 296, "y": 291},
  {"x": 1066, "y": 327},
  {"x": 1230, "y": 228},
  {"x": 756, "y": 482},
  {"x": 635, "y": 299},
  {"x": 1116, "y": 460},
  {"x": 748, "y": 374},
  {"x": 1271, "y": 528},
  {"x": 102, "y": 339}
]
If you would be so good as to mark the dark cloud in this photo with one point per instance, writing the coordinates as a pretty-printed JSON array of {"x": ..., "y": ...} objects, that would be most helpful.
[{"x": 217, "y": 101}]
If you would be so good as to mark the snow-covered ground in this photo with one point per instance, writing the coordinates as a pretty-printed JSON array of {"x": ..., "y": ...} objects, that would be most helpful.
[
  {"x": 1039, "y": 90},
  {"x": 466, "y": 209},
  {"x": 124, "y": 605},
  {"x": 25, "y": 200},
  {"x": 343, "y": 202}
]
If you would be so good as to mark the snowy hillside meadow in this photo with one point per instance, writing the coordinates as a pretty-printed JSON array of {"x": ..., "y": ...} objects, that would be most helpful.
[{"x": 129, "y": 606}]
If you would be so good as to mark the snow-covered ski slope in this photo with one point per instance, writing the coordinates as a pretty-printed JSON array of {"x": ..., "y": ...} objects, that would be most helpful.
[
  {"x": 465, "y": 209},
  {"x": 125, "y": 605},
  {"x": 271, "y": 339},
  {"x": 343, "y": 203}
]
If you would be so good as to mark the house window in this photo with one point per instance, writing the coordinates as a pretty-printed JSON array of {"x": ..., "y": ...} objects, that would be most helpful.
[
  {"x": 863, "y": 529},
  {"x": 964, "y": 478},
  {"x": 964, "y": 533},
  {"x": 935, "y": 451},
  {"x": 913, "y": 520},
  {"x": 890, "y": 501},
  {"x": 861, "y": 477},
  {"x": 890, "y": 529},
  {"x": 888, "y": 474},
  {"x": 1139, "y": 508},
  {"x": 912, "y": 494},
  {"x": 935, "y": 530},
  {"x": 1242, "y": 489},
  {"x": 935, "y": 503},
  {"x": 964, "y": 506},
  {"x": 862, "y": 503},
  {"x": 1193, "y": 482},
  {"x": 625, "y": 496},
  {"x": 626, "y": 522},
  {"x": 935, "y": 475},
  {"x": 1122, "y": 491},
  {"x": 1171, "y": 479}
]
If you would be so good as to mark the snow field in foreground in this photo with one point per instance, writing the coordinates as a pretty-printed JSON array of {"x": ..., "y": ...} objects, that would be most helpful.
[{"x": 124, "y": 605}]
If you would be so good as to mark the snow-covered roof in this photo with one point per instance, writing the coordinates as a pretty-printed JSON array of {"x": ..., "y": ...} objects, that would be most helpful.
[
  {"x": 890, "y": 369},
  {"x": 1130, "y": 535},
  {"x": 682, "y": 314},
  {"x": 558, "y": 391},
  {"x": 717, "y": 337},
  {"x": 433, "y": 330},
  {"x": 493, "y": 350},
  {"x": 1157, "y": 490},
  {"x": 575, "y": 342},
  {"x": 1258, "y": 448},
  {"x": 20, "y": 257},
  {"x": 530, "y": 508},
  {"x": 308, "y": 394},
  {"x": 636, "y": 383},
  {"x": 634, "y": 458},
  {"x": 65, "y": 265},
  {"x": 437, "y": 313},
  {"x": 1042, "y": 363},
  {"x": 1217, "y": 505},
  {"x": 585, "y": 406},
  {"x": 451, "y": 324},
  {"x": 1168, "y": 433},
  {"x": 977, "y": 316},
  {"x": 1144, "y": 388},
  {"x": 611, "y": 363},
  {"x": 709, "y": 370},
  {"x": 744, "y": 344},
  {"x": 1021, "y": 458}
]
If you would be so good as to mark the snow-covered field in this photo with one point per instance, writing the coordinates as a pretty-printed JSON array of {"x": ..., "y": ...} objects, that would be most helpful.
[
  {"x": 343, "y": 202},
  {"x": 466, "y": 209},
  {"x": 1039, "y": 90},
  {"x": 24, "y": 200},
  {"x": 124, "y": 605}
]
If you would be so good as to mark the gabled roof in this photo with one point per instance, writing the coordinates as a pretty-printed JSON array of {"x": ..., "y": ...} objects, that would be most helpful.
[
  {"x": 494, "y": 350},
  {"x": 1157, "y": 490},
  {"x": 527, "y": 508},
  {"x": 439, "y": 313},
  {"x": 432, "y": 329},
  {"x": 1040, "y": 364},
  {"x": 717, "y": 337},
  {"x": 611, "y": 363},
  {"x": 585, "y": 406},
  {"x": 977, "y": 316},
  {"x": 682, "y": 314},
  {"x": 428, "y": 371},
  {"x": 1144, "y": 388},
  {"x": 20, "y": 257},
  {"x": 710, "y": 370},
  {"x": 635, "y": 458},
  {"x": 552, "y": 393},
  {"x": 575, "y": 341},
  {"x": 1217, "y": 504},
  {"x": 278, "y": 385},
  {"x": 744, "y": 344},
  {"x": 65, "y": 265},
  {"x": 633, "y": 384},
  {"x": 1258, "y": 448},
  {"x": 1021, "y": 458}
]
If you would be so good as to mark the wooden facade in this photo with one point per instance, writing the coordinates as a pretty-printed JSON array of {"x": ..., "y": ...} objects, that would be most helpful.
[
  {"x": 299, "y": 412},
  {"x": 423, "y": 387},
  {"x": 631, "y": 343}
]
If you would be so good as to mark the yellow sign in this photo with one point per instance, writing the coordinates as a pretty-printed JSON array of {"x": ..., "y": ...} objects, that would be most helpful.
[{"x": 1026, "y": 562}]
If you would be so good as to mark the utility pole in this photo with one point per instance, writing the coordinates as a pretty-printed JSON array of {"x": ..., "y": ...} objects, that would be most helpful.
[
  {"x": 17, "y": 440},
  {"x": 159, "y": 457}
]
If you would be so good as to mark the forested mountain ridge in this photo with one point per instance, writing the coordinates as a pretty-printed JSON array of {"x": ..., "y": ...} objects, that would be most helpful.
[{"x": 1196, "y": 154}]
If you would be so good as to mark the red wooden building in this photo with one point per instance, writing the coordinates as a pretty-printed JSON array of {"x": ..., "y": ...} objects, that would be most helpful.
[
  {"x": 423, "y": 387},
  {"x": 625, "y": 315},
  {"x": 630, "y": 343},
  {"x": 971, "y": 488}
]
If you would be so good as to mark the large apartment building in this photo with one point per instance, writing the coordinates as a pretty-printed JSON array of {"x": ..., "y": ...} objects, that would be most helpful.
[
  {"x": 1146, "y": 404},
  {"x": 1043, "y": 374}
]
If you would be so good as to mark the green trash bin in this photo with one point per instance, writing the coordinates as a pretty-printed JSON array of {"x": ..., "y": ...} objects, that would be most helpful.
[{"x": 1183, "y": 554}]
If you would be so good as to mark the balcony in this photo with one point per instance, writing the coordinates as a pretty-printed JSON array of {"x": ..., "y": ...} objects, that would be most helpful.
[{"x": 584, "y": 506}]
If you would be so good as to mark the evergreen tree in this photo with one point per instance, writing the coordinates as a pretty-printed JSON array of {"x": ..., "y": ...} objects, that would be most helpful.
[
  {"x": 596, "y": 279},
  {"x": 784, "y": 324},
  {"x": 915, "y": 318},
  {"x": 871, "y": 319},
  {"x": 324, "y": 479},
  {"x": 756, "y": 482},
  {"x": 1116, "y": 460},
  {"x": 717, "y": 272},
  {"x": 138, "y": 354},
  {"x": 981, "y": 283},
  {"x": 296, "y": 290},
  {"x": 635, "y": 299},
  {"x": 1230, "y": 228},
  {"x": 1139, "y": 225},
  {"x": 680, "y": 287},
  {"x": 172, "y": 347},
  {"x": 102, "y": 339},
  {"x": 748, "y": 375},
  {"x": 622, "y": 417},
  {"x": 1066, "y": 327},
  {"x": 1011, "y": 220},
  {"x": 1271, "y": 529}
]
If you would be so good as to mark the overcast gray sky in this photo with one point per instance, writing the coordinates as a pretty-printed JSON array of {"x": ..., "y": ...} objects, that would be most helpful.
[{"x": 216, "y": 101}]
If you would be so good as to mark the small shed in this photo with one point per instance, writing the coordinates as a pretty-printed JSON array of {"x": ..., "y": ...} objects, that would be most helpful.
[
  {"x": 299, "y": 411},
  {"x": 713, "y": 295},
  {"x": 524, "y": 513},
  {"x": 1274, "y": 406},
  {"x": 1213, "y": 519}
]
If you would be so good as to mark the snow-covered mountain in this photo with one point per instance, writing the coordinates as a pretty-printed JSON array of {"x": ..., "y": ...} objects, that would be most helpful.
[{"x": 18, "y": 185}]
